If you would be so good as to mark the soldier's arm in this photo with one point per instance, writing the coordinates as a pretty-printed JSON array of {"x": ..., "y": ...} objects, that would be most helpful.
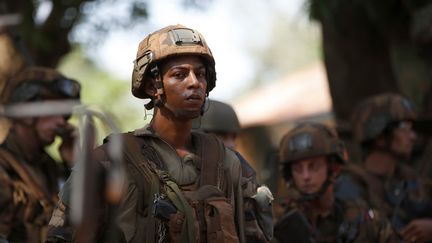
[{"x": 60, "y": 226}]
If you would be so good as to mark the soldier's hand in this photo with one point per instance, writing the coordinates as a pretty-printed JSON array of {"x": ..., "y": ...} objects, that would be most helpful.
[
  {"x": 418, "y": 230},
  {"x": 69, "y": 134}
]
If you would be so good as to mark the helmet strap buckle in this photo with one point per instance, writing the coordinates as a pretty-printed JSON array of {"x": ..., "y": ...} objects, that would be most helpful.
[{"x": 158, "y": 85}]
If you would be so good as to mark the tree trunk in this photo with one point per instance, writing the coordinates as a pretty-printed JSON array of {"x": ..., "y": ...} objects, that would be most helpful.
[{"x": 357, "y": 59}]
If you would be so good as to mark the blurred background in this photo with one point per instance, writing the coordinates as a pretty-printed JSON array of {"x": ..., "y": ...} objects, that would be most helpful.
[{"x": 278, "y": 62}]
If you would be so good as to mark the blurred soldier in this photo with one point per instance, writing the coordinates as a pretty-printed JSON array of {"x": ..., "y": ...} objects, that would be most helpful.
[
  {"x": 312, "y": 155},
  {"x": 29, "y": 177},
  {"x": 383, "y": 127},
  {"x": 182, "y": 186},
  {"x": 221, "y": 120}
]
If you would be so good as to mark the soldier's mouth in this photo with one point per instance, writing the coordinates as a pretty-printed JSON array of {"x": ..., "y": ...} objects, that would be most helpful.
[{"x": 194, "y": 97}]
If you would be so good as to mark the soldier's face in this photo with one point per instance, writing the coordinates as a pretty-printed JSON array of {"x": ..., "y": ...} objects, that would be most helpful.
[
  {"x": 46, "y": 128},
  {"x": 310, "y": 174},
  {"x": 403, "y": 139},
  {"x": 184, "y": 80}
]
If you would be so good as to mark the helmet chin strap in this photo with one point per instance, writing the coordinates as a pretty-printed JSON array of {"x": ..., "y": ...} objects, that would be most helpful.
[
  {"x": 158, "y": 85},
  {"x": 203, "y": 107},
  {"x": 308, "y": 197}
]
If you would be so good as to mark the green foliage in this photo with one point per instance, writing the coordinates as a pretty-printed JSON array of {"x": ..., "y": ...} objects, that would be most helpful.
[{"x": 48, "y": 39}]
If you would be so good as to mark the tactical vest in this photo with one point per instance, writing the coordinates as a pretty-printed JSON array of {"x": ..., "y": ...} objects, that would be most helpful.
[
  {"x": 201, "y": 214},
  {"x": 32, "y": 204}
]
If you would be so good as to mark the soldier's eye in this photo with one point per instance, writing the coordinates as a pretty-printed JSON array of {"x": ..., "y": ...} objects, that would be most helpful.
[
  {"x": 201, "y": 74},
  {"x": 180, "y": 75}
]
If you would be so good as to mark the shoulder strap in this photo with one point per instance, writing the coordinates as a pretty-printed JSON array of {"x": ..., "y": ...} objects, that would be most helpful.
[
  {"x": 139, "y": 169},
  {"x": 213, "y": 154},
  {"x": 36, "y": 189}
]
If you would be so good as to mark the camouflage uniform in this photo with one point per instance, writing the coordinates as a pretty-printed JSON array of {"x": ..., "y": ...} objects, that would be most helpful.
[
  {"x": 29, "y": 182},
  {"x": 155, "y": 170},
  {"x": 348, "y": 220},
  {"x": 23, "y": 214},
  {"x": 402, "y": 196}
]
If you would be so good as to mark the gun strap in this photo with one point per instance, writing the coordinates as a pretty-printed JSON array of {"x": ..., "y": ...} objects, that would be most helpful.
[
  {"x": 177, "y": 198},
  {"x": 7, "y": 159}
]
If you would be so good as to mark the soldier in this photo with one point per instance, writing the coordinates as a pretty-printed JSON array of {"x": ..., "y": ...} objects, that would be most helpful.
[
  {"x": 182, "y": 186},
  {"x": 312, "y": 155},
  {"x": 221, "y": 120},
  {"x": 383, "y": 126},
  {"x": 29, "y": 177}
]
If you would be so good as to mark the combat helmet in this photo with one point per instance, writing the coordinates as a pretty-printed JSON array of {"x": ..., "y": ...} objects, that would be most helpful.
[
  {"x": 170, "y": 41},
  {"x": 375, "y": 114},
  {"x": 309, "y": 140},
  {"x": 32, "y": 84},
  {"x": 219, "y": 117},
  {"x": 35, "y": 83}
]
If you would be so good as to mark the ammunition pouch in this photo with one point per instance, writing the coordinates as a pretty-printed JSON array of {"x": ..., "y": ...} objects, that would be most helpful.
[
  {"x": 175, "y": 226},
  {"x": 220, "y": 221}
]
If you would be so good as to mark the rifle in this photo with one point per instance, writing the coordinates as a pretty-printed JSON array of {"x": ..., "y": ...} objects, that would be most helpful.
[{"x": 294, "y": 227}]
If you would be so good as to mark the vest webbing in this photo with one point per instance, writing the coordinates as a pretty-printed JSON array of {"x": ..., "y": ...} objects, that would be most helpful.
[{"x": 212, "y": 152}]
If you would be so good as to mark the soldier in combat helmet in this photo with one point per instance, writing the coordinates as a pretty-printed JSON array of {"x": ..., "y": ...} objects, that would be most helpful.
[
  {"x": 312, "y": 156},
  {"x": 383, "y": 127},
  {"x": 221, "y": 120},
  {"x": 182, "y": 186},
  {"x": 29, "y": 177}
]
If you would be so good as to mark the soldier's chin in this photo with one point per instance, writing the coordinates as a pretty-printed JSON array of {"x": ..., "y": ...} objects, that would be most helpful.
[
  {"x": 188, "y": 114},
  {"x": 309, "y": 190}
]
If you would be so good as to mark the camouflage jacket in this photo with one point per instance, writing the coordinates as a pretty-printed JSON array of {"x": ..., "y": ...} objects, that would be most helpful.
[
  {"x": 134, "y": 212},
  {"x": 401, "y": 198},
  {"x": 28, "y": 192},
  {"x": 348, "y": 221}
]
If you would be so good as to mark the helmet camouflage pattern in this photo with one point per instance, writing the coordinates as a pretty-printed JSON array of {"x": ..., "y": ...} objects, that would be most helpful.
[
  {"x": 34, "y": 83},
  {"x": 220, "y": 117},
  {"x": 372, "y": 116},
  {"x": 170, "y": 41},
  {"x": 308, "y": 140}
]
